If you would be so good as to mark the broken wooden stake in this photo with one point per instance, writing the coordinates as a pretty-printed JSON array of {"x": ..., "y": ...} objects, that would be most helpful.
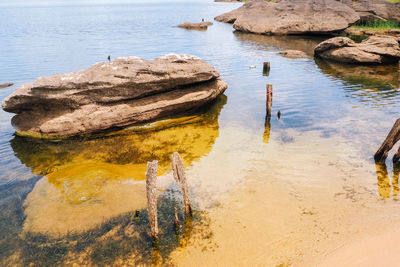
[
  {"x": 180, "y": 176},
  {"x": 151, "y": 183},
  {"x": 269, "y": 99},
  {"x": 279, "y": 114},
  {"x": 266, "y": 68},
  {"x": 177, "y": 224},
  {"x": 390, "y": 141}
]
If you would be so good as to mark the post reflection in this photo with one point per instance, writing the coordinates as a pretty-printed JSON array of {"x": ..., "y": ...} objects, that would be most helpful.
[{"x": 385, "y": 188}]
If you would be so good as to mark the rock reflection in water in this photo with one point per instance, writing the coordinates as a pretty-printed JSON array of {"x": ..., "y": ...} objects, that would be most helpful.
[
  {"x": 302, "y": 43},
  {"x": 384, "y": 188},
  {"x": 89, "y": 181},
  {"x": 376, "y": 82}
]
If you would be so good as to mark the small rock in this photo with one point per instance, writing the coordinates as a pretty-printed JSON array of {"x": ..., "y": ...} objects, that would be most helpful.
[
  {"x": 4, "y": 85},
  {"x": 293, "y": 54},
  {"x": 195, "y": 26}
]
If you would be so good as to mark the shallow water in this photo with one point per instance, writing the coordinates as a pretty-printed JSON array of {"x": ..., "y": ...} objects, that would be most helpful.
[{"x": 266, "y": 192}]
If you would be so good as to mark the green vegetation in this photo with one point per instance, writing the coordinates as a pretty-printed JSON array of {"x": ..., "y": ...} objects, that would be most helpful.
[
  {"x": 377, "y": 24},
  {"x": 394, "y": 1}
]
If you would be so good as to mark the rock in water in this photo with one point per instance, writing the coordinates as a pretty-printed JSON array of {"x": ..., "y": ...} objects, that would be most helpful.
[
  {"x": 373, "y": 50},
  {"x": 291, "y": 17},
  {"x": 124, "y": 92},
  {"x": 293, "y": 54},
  {"x": 195, "y": 26}
]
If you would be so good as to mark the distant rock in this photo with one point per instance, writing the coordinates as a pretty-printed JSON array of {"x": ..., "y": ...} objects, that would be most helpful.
[
  {"x": 4, "y": 85},
  {"x": 370, "y": 10},
  {"x": 373, "y": 50},
  {"x": 293, "y": 54},
  {"x": 113, "y": 95},
  {"x": 196, "y": 26},
  {"x": 291, "y": 17}
]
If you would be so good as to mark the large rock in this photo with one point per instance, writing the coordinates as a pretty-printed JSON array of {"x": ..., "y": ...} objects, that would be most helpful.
[
  {"x": 111, "y": 95},
  {"x": 375, "y": 9},
  {"x": 291, "y": 17},
  {"x": 375, "y": 49}
]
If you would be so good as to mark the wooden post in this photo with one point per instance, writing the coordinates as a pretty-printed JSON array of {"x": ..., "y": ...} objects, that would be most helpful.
[
  {"x": 266, "y": 68},
  {"x": 151, "y": 183},
  {"x": 180, "y": 176},
  {"x": 176, "y": 220},
  {"x": 269, "y": 99},
  {"x": 396, "y": 156},
  {"x": 279, "y": 114},
  {"x": 390, "y": 141}
]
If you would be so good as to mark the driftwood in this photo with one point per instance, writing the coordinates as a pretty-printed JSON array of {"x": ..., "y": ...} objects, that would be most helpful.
[
  {"x": 180, "y": 176},
  {"x": 4, "y": 85},
  {"x": 390, "y": 141},
  {"x": 266, "y": 68},
  {"x": 151, "y": 182}
]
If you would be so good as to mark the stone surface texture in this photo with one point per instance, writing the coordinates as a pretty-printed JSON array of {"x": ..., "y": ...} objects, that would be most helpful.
[
  {"x": 291, "y": 17},
  {"x": 124, "y": 92},
  {"x": 373, "y": 50}
]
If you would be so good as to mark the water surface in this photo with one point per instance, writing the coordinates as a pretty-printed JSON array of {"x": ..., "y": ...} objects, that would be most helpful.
[{"x": 266, "y": 191}]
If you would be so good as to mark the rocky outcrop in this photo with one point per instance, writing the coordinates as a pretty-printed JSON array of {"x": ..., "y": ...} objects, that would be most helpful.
[
  {"x": 112, "y": 95},
  {"x": 291, "y": 17},
  {"x": 195, "y": 26},
  {"x": 374, "y": 50},
  {"x": 293, "y": 54},
  {"x": 370, "y": 10}
]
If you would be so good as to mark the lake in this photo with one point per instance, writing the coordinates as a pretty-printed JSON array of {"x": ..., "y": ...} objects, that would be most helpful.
[{"x": 266, "y": 192}]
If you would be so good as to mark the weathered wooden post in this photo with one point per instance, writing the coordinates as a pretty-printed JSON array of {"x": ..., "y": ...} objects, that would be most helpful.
[
  {"x": 180, "y": 176},
  {"x": 390, "y": 141},
  {"x": 177, "y": 224},
  {"x": 267, "y": 126},
  {"x": 269, "y": 99},
  {"x": 266, "y": 68},
  {"x": 279, "y": 114},
  {"x": 151, "y": 183}
]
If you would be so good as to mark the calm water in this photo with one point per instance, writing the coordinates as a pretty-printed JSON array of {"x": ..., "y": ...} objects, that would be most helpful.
[{"x": 289, "y": 189}]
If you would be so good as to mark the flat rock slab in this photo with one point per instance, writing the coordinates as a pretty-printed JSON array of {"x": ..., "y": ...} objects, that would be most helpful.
[
  {"x": 195, "y": 26},
  {"x": 373, "y": 50},
  {"x": 291, "y": 17},
  {"x": 124, "y": 92},
  {"x": 293, "y": 54}
]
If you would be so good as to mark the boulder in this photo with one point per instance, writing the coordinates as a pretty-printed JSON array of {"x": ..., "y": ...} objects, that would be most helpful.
[
  {"x": 123, "y": 92},
  {"x": 370, "y": 10},
  {"x": 375, "y": 49},
  {"x": 293, "y": 54},
  {"x": 291, "y": 17},
  {"x": 195, "y": 26}
]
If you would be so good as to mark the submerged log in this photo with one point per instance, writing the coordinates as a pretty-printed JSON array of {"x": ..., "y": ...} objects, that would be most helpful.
[
  {"x": 151, "y": 182},
  {"x": 180, "y": 176},
  {"x": 266, "y": 68},
  {"x": 390, "y": 141}
]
